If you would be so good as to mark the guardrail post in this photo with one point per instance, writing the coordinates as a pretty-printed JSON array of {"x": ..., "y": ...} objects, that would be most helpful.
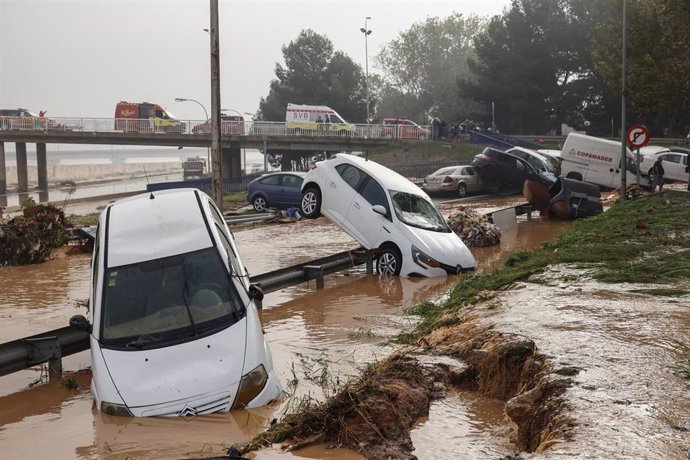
[
  {"x": 42, "y": 349},
  {"x": 315, "y": 272}
]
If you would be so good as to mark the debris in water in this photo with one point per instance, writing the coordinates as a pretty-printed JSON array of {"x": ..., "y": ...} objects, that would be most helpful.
[
  {"x": 30, "y": 238},
  {"x": 473, "y": 228}
]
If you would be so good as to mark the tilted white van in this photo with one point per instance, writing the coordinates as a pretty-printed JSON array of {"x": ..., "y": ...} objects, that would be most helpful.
[
  {"x": 597, "y": 161},
  {"x": 172, "y": 325}
]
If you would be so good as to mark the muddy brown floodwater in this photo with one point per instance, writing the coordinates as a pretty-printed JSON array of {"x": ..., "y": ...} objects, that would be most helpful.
[{"x": 319, "y": 339}]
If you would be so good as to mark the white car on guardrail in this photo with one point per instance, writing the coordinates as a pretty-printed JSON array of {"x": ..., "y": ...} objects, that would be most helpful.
[{"x": 384, "y": 211}]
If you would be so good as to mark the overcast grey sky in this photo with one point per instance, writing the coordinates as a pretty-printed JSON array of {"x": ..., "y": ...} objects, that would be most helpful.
[{"x": 80, "y": 57}]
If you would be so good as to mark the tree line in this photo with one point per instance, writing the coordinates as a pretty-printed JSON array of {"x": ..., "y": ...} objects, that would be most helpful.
[{"x": 540, "y": 63}]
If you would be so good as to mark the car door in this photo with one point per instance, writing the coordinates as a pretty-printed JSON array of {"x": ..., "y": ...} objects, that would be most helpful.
[
  {"x": 341, "y": 186},
  {"x": 471, "y": 178},
  {"x": 270, "y": 185},
  {"x": 674, "y": 169},
  {"x": 290, "y": 192},
  {"x": 366, "y": 224}
]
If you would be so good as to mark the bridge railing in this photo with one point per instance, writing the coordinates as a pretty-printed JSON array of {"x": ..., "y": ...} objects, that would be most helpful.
[{"x": 202, "y": 127}]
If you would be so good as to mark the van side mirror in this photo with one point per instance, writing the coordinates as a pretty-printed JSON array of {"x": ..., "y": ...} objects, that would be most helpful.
[
  {"x": 81, "y": 323},
  {"x": 255, "y": 293},
  {"x": 378, "y": 209}
]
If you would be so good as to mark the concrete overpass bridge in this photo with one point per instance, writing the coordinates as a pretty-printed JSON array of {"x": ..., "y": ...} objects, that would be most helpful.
[{"x": 265, "y": 136}]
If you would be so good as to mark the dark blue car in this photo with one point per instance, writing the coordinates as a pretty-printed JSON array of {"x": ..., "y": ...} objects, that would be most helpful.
[{"x": 280, "y": 190}]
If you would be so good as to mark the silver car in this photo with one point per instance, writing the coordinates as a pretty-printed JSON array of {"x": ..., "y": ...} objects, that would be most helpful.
[{"x": 453, "y": 179}]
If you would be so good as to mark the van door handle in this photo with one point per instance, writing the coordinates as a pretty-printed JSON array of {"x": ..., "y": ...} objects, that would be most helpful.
[
  {"x": 332, "y": 184},
  {"x": 356, "y": 205}
]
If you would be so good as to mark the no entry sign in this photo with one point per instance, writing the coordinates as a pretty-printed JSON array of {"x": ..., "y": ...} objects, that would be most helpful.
[{"x": 638, "y": 136}]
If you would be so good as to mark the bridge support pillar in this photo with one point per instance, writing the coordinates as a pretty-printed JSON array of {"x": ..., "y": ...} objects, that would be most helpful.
[
  {"x": 42, "y": 167},
  {"x": 22, "y": 168},
  {"x": 232, "y": 161},
  {"x": 3, "y": 177}
]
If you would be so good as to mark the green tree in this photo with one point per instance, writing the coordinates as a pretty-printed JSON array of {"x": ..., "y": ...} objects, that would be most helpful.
[
  {"x": 421, "y": 68},
  {"x": 534, "y": 63},
  {"x": 658, "y": 62},
  {"x": 314, "y": 74}
]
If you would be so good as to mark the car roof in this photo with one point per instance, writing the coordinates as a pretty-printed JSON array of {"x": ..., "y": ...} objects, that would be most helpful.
[
  {"x": 390, "y": 179},
  {"x": 528, "y": 151},
  {"x": 277, "y": 173},
  {"x": 653, "y": 150},
  {"x": 142, "y": 228}
]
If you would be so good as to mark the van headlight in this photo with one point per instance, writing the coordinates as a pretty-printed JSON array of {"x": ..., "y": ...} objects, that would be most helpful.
[
  {"x": 252, "y": 383},
  {"x": 420, "y": 258},
  {"x": 115, "y": 409}
]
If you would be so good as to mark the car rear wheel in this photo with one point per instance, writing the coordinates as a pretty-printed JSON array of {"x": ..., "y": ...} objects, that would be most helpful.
[
  {"x": 389, "y": 261},
  {"x": 462, "y": 190},
  {"x": 495, "y": 186},
  {"x": 310, "y": 205},
  {"x": 260, "y": 204}
]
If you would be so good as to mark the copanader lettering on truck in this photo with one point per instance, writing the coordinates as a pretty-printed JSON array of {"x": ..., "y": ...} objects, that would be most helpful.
[{"x": 590, "y": 155}]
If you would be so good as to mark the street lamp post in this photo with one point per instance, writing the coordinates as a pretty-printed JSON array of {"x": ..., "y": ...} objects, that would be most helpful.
[
  {"x": 366, "y": 33},
  {"x": 208, "y": 150}
]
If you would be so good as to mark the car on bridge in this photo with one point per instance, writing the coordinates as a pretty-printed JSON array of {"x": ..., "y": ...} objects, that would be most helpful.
[
  {"x": 387, "y": 213},
  {"x": 402, "y": 128},
  {"x": 26, "y": 120},
  {"x": 229, "y": 124},
  {"x": 173, "y": 327}
]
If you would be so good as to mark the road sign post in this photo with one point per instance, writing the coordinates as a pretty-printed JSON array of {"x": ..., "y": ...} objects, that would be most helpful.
[{"x": 637, "y": 137}]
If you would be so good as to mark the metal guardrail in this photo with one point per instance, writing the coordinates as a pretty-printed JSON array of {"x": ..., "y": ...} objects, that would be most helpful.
[
  {"x": 51, "y": 346},
  {"x": 201, "y": 127}
]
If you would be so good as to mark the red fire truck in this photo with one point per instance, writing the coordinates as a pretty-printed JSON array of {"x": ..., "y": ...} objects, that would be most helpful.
[{"x": 146, "y": 117}]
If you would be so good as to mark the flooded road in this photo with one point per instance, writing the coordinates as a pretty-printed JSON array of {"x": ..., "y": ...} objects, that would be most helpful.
[{"x": 319, "y": 338}]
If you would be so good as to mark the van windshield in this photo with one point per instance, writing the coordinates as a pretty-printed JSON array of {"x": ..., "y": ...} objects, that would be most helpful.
[
  {"x": 170, "y": 300},
  {"x": 416, "y": 211}
]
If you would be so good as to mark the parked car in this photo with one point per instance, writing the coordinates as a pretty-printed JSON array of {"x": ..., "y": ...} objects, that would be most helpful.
[
  {"x": 24, "y": 119},
  {"x": 500, "y": 170},
  {"x": 229, "y": 124},
  {"x": 276, "y": 190},
  {"x": 384, "y": 211},
  {"x": 173, "y": 326},
  {"x": 402, "y": 128},
  {"x": 675, "y": 163},
  {"x": 453, "y": 179}
]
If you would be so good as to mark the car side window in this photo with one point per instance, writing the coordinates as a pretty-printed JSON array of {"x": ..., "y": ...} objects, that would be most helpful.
[
  {"x": 350, "y": 174},
  {"x": 270, "y": 180},
  {"x": 673, "y": 158},
  {"x": 224, "y": 240},
  {"x": 467, "y": 172},
  {"x": 375, "y": 194},
  {"x": 292, "y": 181}
]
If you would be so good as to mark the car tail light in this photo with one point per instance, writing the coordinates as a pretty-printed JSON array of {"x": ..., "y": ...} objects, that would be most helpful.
[
  {"x": 448, "y": 180},
  {"x": 313, "y": 166},
  {"x": 486, "y": 158}
]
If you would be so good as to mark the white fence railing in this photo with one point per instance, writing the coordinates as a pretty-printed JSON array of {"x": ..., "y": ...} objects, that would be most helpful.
[{"x": 194, "y": 127}]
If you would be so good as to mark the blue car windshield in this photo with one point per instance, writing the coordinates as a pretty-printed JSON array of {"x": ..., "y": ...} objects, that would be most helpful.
[
  {"x": 174, "y": 298},
  {"x": 417, "y": 211}
]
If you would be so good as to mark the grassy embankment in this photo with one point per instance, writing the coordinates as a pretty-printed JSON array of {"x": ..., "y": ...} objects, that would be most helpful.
[{"x": 646, "y": 240}]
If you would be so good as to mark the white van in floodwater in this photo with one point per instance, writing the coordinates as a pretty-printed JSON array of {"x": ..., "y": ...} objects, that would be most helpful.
[
  {"x": 597, "y": 161},
  {"x": 315, "y": 120},
  {"x": 173, "y": 327}
]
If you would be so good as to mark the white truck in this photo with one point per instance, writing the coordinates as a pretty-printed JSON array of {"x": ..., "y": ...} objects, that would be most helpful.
[
  {"x": 597, "y": 161},
  {"x": 316, "y": 120}
]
